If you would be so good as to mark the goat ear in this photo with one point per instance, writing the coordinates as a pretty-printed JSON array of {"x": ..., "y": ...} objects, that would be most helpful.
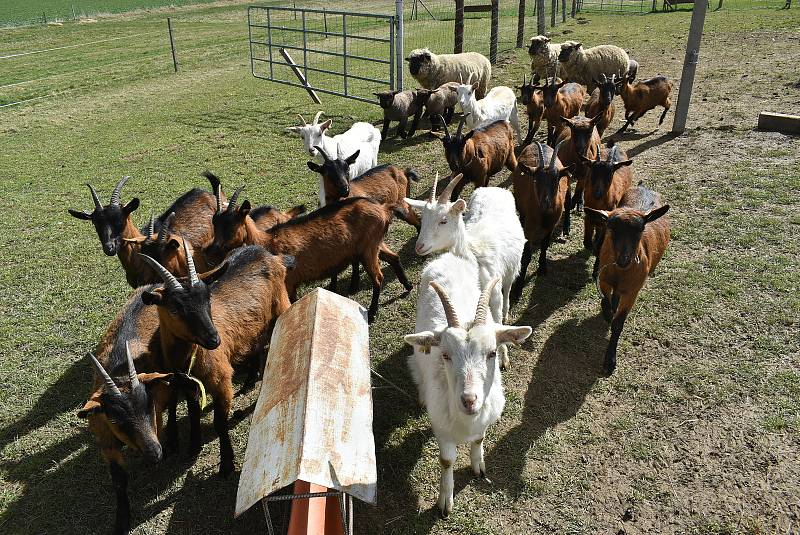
[
  {"x": 458, "y": 207},
  {"x": 566, "y": 171},
  {"x": 468, "y": 135},
  {"x": 512, "y": 335},
  {"x": 132, "y": 205},
  {"x": 596, "y": 216},
  {"x": 155, "y": 378},
  {"x": 652, "y": 215},
  {"x": 438, "y": 135},
  {"x": 297, "y": 210},
  {"x": 210, "y": 277},
  {"x": 524, "y": 168},
  {"x": 244, "y": 209},
  {"x": 153, "y": 298},
  {"x": 425, "y": 339},
  {"x": 292, "y": 129},
  {"x": 91, "y": 407},
  {"x": 622, "y": 164},
  {"x": 327, "y": 124},
  {"x": 415, "y": 203},
  {"x": 562, "y": 84},
  {"x": 174, "y": 244},
  {"x": 475, "y": 86},
  {"x": 353, "y": 157},
  {"x": 314, "y": 166},
  {"x": 80, "y": 214},
  {"x": 584, "y": 159}
]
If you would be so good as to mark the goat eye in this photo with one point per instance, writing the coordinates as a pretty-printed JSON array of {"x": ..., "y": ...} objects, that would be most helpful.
[
  {"x": 445, "y": 356},
  {"x": 443, "y": 222},
  {"x": 491, "y": 355}
]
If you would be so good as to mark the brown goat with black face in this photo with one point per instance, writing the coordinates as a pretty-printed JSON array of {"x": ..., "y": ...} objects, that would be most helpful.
[
  {"x": 531, "y": 96},
  {"x": 479, "y": 154},
  {"x": 636, "y": 238},
  {"x": 119, "y": 236},
  {"x": 581, "y": 139},
  {"x": 326, "y": 241},
  {"x": 562, "y": 100},
  {"x": 641, "y": 97},
  {"x": 541, "y": 186},
  {"x": 601, "y": 103},
  {"x": 610, "y": 176},
  {"x": 129, "y": 393},
  {"x": 226, "y": 317}
]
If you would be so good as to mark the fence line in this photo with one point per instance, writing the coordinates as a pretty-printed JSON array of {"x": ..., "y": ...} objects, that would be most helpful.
[{"x": 19, "y": 54}]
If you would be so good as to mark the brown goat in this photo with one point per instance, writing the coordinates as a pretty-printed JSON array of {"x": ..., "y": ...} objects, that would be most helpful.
[
  {"x": 610, "y": 176},
  {"x": 641, "y": 97},
  {"x": 119, "y": 236},
  {"x": 601, "y": 103},
  {"x": 226, "y": 316},
  {"x": 581, "y": 139},
  {"x": 541, "y": 186},
  {"x": 562, "y": 100},
  {"x": 326, "y": 241},
  {"x": 480, "y": 154},
  {"x": 531, "y": 96},
  {"x": 636, "y": 238},
  {"x": 129, "y": 394}
]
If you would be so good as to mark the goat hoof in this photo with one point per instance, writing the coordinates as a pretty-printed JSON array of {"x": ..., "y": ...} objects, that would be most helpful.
[
  {"x": 226, "y": 469},
  {"x": 542, "y": 270},
  {"x": 587, "y": 244}
]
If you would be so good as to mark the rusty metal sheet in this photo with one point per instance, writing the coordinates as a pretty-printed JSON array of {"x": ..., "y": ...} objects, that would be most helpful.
[{"x": 313, "y": 418}]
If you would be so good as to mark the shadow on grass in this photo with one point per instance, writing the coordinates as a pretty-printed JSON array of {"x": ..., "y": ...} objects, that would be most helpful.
[{"x": 567, "y": 368}]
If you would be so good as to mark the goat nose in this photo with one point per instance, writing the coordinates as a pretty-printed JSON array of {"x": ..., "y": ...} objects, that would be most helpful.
[
  {"x": 420, "y": 247},
  {"x": 469, "y": 400}
]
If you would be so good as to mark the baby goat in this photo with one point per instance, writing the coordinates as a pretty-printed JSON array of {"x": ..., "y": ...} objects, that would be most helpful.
[
  {"x": 641, "y": 97},
  {"x": 541, "y": 191},
  {"x": 399, "y": 106},
  {"x": 531, "y": 96},
  {"x": 601, "y": 103},
  {"x": 226, "y": 316},
  {"x": 636, "y": 238},
  {"x": 479, "y": 154},
  {"x": 455, "y": 366},
  {"x": 499, "y": 104}
]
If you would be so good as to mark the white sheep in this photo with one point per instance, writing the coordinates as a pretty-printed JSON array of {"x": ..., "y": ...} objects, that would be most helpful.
[
  {"x": 362, "y": 137},
  {"x": 544, "y": 57},
  {"x": 585, "y": 65},
  {"x": 491, "y": 235},
  {"x": 499, "y": 104},
  {"x": 455, "y": 365},
  {"x": 432, "y": 70}
]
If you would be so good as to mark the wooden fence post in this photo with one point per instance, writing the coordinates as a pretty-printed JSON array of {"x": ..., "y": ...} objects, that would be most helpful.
[
  {"x": 540, "y": 25},
  {"x": 689, "y": 66},
  {"x": 572, "y": 12},
  {"x": 458, "y": 40},
  {"x": 563, "y": 10},
  {"x": 553, "y": 8},
  {"x": 521, "y": 23},
  {"x": 495, "y": 31},
  {"x": 172, "y": 44}
]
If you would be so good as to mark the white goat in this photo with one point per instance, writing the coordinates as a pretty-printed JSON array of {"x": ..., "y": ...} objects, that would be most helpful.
[
  {"x": 361, "y": 137},
  {"x": 455, "y": 365},
  {"x": 491, "y": 235},
  {"x": 499, "y": 104}
]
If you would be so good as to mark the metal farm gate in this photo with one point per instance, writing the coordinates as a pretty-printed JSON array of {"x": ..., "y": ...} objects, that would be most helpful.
[{"x": 336, "y": 52}]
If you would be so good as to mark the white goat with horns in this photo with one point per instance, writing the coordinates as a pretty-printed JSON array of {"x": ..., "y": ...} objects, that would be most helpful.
[
  {"x": 362, "y": 137},
  {"x": 455, "y": 365},
  {"x": 499, "y": 104},
  {"x": 490, "y": 235}
]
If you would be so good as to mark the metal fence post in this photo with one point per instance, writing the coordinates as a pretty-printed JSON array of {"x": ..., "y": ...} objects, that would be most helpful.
[
  {"x": 172, "y": 44},
  {"x": 563, "y": 10},
  {"x": 398, "y": 10},
  {"x": 344, "y": 50},
  {"x": 689, "y": 66},
  {"x": 494, "y": 32},
  {"x": 392, "y": 55}
]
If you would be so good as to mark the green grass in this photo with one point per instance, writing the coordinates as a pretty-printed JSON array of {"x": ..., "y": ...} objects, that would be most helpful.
[{"x": 698, "y": 427}]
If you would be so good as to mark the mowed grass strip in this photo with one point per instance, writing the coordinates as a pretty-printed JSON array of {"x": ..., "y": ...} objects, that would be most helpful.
[{"x": 697, "y": 432}]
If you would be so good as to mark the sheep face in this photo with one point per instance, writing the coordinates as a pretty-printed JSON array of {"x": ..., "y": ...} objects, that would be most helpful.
[
  {"x": 567, "y": 49},
  {"x": 312, "y": 135},
  {"x": 538, "y": 44},
  {"x": 624, "y": 227},
  {"x": 386, "y": 98},
  {"x": 441, "y": 222},
  {"x": 419, "y": 61}
]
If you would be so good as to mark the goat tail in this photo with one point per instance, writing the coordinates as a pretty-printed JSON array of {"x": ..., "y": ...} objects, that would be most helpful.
[
  {"x": 212, "y": 178},
  {"x": 410, "y": 173}
]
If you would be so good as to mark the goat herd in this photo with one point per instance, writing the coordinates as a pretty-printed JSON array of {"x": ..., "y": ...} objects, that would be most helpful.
[{"x": 213, "y": 273}]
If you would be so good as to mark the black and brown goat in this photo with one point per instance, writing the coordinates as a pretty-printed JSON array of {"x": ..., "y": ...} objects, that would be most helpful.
[
  {"x": 399, "y": 106},
  {"x": 641, "y": 97},
  {"x": 541, "y": 187},
  {"x": 562, "y": 100},
  {"x": 636, "y": 238},
  {"x": 531, "y": 96},
  {"x": 478, "y": 154},
  {"x": 610, "y": 176},
  {"x": 119, "y": 236},
  {"x": 601, "y": 103},
  {"x": 327, "y": 240},
  {"x": 581, "y": 139},
  {"x": 226, "y": 316},
  {"x": 129, "y": 393}
]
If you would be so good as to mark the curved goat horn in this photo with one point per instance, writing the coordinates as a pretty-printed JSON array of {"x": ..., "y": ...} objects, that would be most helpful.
[
  {"x": 132, "y": 375},
  {"x": 461, "y": 125},
  {"x": 111, "y": 386},
  {"x": 316, "y": 117},
  {"x": 540, "y": 149},
  {"x": 193, "y": 278},
  {"x": 151, "y": 227},
  {"x": 598, "y": 153},
  {"x": 162, "y": 232},
  {"x": 97, "y": 204},
  {"x": 605, "y": 78},
  {"x": 322, "y": 151},
  {"x": 444, "y": 123},
  {"x": 444, "y": 196},
  {"x": 449, "y": 311},
  {"x": 482, "y": 312},
  {"x": 218, "y": 195},
  {"x": 555, "y": 154},
  {"x": 168, "y": 278},
  {"x": 432, "y": 198},
  {"x": 115, "y": 195},
  {"x": 302, "y": 121},
  {"x": 234, "y": 197}
]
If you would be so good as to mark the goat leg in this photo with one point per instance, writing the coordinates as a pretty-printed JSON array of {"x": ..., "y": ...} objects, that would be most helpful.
[
  {"x": 448, "y": 117},
  {"x": 447, "y": 456},
  {"x": 618, "y": 322},
  {"x": 476, "y": 459},
  {"x": 567, "y": 208},
  {"x": 332, "y": 285},
  {"x": 355, "y": 279},
  {"x": 393, "y": 259},
  {"x": 543, "y": 254},
  {"x": 372, "y": 266},
  {"x": 385, "y": 131},
  {"x": 519, "y": 284},
  {"x": 661, "y": 120},
  {"x": 401, "y": 127},
  {"x": 171, "y": 431},
  {"x": 194, "y": 412},
  {"x": 221, "y": 410},
  {"x": 122, "y": 517},
  {"x": 415, "y": 122}
]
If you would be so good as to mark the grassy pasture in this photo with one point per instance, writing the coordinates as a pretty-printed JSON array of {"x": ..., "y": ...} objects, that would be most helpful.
[{"x": 697, "y": 432}]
